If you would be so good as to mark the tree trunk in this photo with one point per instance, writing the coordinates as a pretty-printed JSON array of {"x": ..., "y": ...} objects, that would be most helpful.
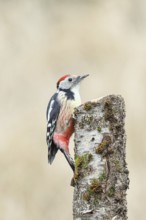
[{"x": 101, "y": 175}]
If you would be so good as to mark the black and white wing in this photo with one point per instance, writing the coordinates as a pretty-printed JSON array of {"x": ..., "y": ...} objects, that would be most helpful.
[{"x": 53, "y": 110}]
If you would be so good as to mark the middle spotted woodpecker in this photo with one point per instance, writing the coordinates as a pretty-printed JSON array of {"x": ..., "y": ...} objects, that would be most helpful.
[{"x": 60, "y": 123}]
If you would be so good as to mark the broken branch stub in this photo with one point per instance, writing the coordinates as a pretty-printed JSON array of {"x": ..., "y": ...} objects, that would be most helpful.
[{"x": 101, "y": 175}]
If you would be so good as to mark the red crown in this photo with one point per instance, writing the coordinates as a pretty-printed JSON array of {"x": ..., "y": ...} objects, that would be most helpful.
[{"x": 62, "y": 78}]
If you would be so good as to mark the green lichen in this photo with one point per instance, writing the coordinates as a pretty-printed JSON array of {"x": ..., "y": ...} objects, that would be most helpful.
[
  {"x": 78, "y": 163},
  {"x": 87, "y": 106},
  {"x": 102, "y": 177},
  {"x": 99, "y": 129},
  {"x": 111, "y": 191},
  {"x": 76, "y": 176},
  {"x": 81, "y": 163}
]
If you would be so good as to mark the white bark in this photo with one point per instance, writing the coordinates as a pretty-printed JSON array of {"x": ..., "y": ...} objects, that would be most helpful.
[{"x": 101, "y": 175}]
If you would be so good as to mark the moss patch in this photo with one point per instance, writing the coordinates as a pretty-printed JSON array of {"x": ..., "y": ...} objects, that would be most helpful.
[
  {"x": 86, "y": 196},
  {"x": 101, "y": 147},
  {"x": 111, "y": 191},
  {"x": 94, "y": 190},
  {"x": 99, "y": 129},
  {"x": 109, "y": 113},
  {"x": 106, "y": 142},
  {"x": 87, "y": 106},
  {"x": 95, "y": 186},
  {"x": 81, "y": 163},
  {"x": 102, "y": 177}
]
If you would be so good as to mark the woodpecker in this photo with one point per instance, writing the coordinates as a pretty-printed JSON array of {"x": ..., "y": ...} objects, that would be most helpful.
[{"x": 60, "y": 123}]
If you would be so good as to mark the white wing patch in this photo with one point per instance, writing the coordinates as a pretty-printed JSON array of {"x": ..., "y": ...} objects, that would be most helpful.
[
  {"x": 49, "y": 125},
  {"x": 50, "y": 109}
]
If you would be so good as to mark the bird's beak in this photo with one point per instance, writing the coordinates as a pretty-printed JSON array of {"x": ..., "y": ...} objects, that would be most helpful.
[
  {"x": 80, "y": 78},
  {"x": 84, "y": 76}
]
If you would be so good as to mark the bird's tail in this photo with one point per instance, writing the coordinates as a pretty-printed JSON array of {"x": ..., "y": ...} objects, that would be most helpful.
[
  {"x": 52, "y": 150},
  {"x": 69, "y": 159}
]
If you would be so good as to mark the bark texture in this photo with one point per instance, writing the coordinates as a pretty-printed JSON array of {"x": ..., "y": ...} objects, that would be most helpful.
[{"x": 101, "y": 175}]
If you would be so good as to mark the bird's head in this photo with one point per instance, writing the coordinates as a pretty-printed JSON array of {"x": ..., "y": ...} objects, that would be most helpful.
[{"x": 70, "y": 81}]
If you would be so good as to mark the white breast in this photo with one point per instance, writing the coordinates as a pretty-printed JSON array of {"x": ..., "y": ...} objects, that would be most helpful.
[{"x": 67, "y": 109}]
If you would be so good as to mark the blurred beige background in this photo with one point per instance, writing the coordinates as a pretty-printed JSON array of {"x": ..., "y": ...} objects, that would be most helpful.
[{"x": 40, "y": 41}]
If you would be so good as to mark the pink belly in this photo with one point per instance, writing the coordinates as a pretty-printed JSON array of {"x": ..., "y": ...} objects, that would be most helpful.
[{"x": 61, "y": 139}]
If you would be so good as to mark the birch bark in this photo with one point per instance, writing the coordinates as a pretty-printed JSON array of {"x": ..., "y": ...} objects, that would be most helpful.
[{"x": 101, "y": 174}]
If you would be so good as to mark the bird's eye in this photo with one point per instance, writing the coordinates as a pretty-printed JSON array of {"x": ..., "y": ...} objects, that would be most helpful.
[{"x": 70, "y": 79}]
